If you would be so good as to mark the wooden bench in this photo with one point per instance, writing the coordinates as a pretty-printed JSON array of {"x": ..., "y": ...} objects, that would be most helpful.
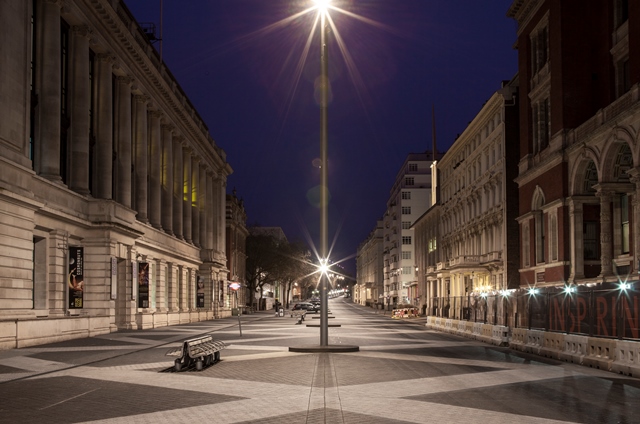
[{"x": 201, "y": 352}]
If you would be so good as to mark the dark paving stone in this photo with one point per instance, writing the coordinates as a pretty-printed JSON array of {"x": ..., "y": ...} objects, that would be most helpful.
[
  {"x": 70, "y": 399},
  {"x": 356, "y": 370},
  {"x": 575, "y": 399},
  {"x": 286, "y": 370},
  {"x": 5, "y": 369},
  {"x": 90, "y": 342},
  {"x": 78, "y": 357}
]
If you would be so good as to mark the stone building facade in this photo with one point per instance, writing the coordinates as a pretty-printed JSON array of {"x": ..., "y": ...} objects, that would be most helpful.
[
  {"x": 579, "y": 171},
  {"x": 466, "y": 245},
  {"x": 112, "y": 200},
  {"x": 369, "y": 287},
  {"x": 236, "y": 238},
  {"x": 409, "y": 198}
]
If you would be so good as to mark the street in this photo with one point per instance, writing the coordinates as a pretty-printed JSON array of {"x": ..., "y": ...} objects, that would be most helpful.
[{"x": 403, "y": 373}]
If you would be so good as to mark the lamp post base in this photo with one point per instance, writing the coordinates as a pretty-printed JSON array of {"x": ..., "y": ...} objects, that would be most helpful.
[{"x": 325, "y": 349}]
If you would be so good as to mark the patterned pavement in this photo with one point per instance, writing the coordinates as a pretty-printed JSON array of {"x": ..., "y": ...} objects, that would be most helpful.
[{"x": 403, "y": 373}]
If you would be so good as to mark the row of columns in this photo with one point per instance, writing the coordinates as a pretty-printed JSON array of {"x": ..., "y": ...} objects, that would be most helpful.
[
  {"x": 170, "y": 187},
  {"x": 605, "y": 194}
]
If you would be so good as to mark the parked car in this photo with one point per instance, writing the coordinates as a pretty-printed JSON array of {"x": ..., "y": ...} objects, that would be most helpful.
[{"x": 305, "y": 306}]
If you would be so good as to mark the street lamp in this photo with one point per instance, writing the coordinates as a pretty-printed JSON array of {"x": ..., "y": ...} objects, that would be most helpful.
[{"x": 324, "y": 189}]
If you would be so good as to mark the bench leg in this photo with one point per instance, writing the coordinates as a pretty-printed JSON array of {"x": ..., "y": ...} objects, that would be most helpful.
[
  {"x": 177, "y": 365},
  {"x": 199, "y": 364},
  {"x": 216, "y": 356}
]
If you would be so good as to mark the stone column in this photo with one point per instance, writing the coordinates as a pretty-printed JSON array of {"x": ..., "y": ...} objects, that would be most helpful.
[
  {"x": 173, "y": 288},
  {"x": 606, "y": 244},
  {"x": 635, "y": 179},
  {"x": 104, "y": 127},
  {"x": 50, "y": 89},
  {"x": 80, "y": 105},
  {"x": 576, "y": 223},
  {"x": 155, "y": 169},
  {"x": 184, "y": 285},
  {"x": 202, "y": 206},
  {"x": 195, "y": 200},
  {"x": 161, "y": 285},
  {"x": 209, "y": 215},
  {"x": 141, "y": 153},
  {"x": 178, "y": 188},
  {"x": 167, "y": 179},
  {"x": 123, "y": 141},
  {"x": 186, "y": 199},
  {"x": 213, "y": 221},
  {"x": 221, "y": 213}
]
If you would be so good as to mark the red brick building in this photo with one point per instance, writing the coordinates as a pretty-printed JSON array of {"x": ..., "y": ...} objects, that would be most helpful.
[{"x": 579, "y": 172}]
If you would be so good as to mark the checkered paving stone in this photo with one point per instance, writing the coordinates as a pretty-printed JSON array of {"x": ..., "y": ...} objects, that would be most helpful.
[
  {"x": 403, "y": 373},
  {"x": 43, "y": 401}
]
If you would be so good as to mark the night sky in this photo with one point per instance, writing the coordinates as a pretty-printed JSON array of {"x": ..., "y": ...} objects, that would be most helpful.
[{"x": 242, "y": 65}]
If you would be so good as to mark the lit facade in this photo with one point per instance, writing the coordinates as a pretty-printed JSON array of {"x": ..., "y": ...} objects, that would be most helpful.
[
  {"x": 369, "y": 287},
  {"x": 236, "y": 239},
  {"x": 112, "y": 208},
  {"x": 474, "y": 249},
  {"x": 410, "y": 197}
]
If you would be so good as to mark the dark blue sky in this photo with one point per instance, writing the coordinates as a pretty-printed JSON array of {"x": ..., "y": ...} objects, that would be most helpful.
[{"x": 241, "y": 78}]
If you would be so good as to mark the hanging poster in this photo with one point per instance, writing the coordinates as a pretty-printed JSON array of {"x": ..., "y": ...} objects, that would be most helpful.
[
  {"x": 143, "y": 284},
  {"x": 200, "y": 293},
  {"x": 76, "y": 277}
]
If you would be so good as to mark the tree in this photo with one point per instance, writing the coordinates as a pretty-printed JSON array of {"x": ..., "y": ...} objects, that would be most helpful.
[
  {"x": 293, "y": 266},
  {"x": 261, "y": 262}
]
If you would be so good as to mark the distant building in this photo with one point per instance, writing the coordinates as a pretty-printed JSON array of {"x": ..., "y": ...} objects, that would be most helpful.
[
  {"x": 410, "y": 197},
  {"x": 579, "y": 168},
  {"x": 369, "y": 288},
  {"x": 237, "y": 233},
  {"x": 112, "y": 197}
]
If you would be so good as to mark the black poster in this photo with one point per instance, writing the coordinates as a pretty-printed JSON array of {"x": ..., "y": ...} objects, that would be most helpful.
[
  {"x": 76, "y": 277},
  {"x": 200, "y": 294},
  {"x": 143, "y": 284}
]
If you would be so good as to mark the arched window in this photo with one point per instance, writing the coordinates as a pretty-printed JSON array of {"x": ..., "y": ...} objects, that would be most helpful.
[{"x": 539, "y": 224}]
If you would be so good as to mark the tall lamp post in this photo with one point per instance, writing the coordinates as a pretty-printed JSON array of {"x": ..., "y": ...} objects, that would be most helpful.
[
  {"x": 324, "y": 196},
  {"x": 324, "y": 189}
]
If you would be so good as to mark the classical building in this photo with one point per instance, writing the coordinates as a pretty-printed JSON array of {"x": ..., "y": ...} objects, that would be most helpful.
[
  {"x": 237, "y": 233},
  {"x": 466, "y": 245},
  {"x": 369, "y": 287},
  {"x": 410, "y": 197},
  {"x": 579, "y": 168},
  {"x": 113, "y": 192}
]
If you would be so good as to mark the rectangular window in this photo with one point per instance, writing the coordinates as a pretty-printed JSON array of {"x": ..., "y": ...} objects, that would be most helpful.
[
  {"x": 406, "y": 210},
  {"x": 34, "y": 96},
  {"x": 406, "y": 195},
  {"x": 553, "y": 229},
  {"x": 406, "y": 254},
  {"x": 406, "y": 270},
  {"x": 409, "y": 181},
  {"x": 406, "y": 239},
  {"x": 406, "y": 225},
  {"x": 525, "y": 246},
  {"x": 540, "y": 237},
  {"x": 591, "y": 242},
  {"x": 64, "y": 91},
  {"x": 413, "y": 167},
  {"x": 624, "y": 222},
  {"x": 539, "y": 49}
]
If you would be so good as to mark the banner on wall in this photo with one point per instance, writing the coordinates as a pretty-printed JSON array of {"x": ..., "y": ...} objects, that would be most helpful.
[
  {"x": 143, "y": 284},
  {"x": 200, "y": 293},
  {"x": 76, "y": 277}
]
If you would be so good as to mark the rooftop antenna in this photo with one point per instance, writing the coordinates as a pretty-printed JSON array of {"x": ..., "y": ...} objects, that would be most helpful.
[{"x": 433, "y": 132}]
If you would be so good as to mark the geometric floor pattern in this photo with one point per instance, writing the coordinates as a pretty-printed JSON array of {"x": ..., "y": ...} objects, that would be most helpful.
[{"x": 403, "y": 373}]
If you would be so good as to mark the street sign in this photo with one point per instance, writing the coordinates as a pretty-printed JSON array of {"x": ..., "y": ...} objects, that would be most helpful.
[{"x": 235, "y": 286}]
